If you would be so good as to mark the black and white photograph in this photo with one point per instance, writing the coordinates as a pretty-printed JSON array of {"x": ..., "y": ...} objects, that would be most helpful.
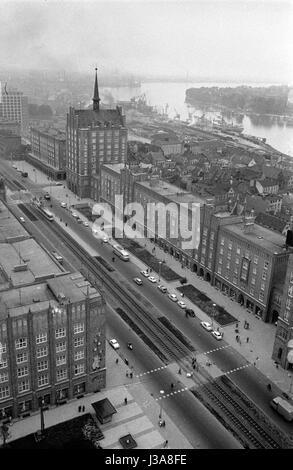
[{"x": 146, "y": 228}]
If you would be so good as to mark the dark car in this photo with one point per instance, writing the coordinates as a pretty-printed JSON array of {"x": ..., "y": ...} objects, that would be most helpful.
[
  {"x": 47, "y": 196},
  {"x": 189, "y": 312}
]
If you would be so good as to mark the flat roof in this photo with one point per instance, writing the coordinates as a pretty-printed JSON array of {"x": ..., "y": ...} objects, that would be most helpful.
[
  {"x": 264, "y": 238},
  {"x": 73, "y": 287},
  {"x": 10, "y": 228},
  {"x": 27, "y": 251},
  {"x": 171, "y": 192}
]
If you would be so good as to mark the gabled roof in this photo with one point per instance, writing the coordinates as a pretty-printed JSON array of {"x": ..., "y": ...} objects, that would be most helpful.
[
  {"x": 87, "y": 117},
  {"x": 272, "y": 222}
]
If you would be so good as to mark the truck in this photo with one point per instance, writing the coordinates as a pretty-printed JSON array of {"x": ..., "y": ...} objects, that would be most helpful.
[{"x": 283, "y": 407}]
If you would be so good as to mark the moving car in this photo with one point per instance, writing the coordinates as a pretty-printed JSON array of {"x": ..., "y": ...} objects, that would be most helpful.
[
  {"x": 86, "y": 224},
  {"x": 14, "y": 166},
  {"x": 189, "y": 312},
  {"x": 138, "y": 281},
  {"x": 217, "y": 335},
  {"x": 47, "y": 196},
  {"x": 181, "y": 304},
  {"x": 105, "y": 239},
  {"x": 58, "y": 257},
  {"x": 114, "y": 343},
  {"x": 144, "y": 273},
  {"x": 75, "y": 215},
  {"x": 152, "y": 279},
  {"x": 162, "y": 288},
  {"x": 22, "y": 219},
  {"x": 63, "y": 204},
  {"x": 59, "y": 184},
  {"x": 206, "y": 325},
  {"x": 173, "y": 297}
]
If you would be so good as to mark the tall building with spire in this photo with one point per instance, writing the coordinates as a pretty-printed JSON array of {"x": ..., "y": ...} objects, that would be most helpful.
[{"x": 93, "y": 137}]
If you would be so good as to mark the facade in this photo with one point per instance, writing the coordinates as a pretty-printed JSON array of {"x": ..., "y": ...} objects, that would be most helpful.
[
  {"x": 284, "y": 331},
  {"x": 10, "y": 126},
  {"x": 10, "y": 144},
  {"x": 48, "y": 151},
  {"x": 14, "y": 107},
  {"x": 93, "y": 137}
]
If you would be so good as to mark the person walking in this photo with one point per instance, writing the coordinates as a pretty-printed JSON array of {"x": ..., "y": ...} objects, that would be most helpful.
[
  {"x": 125, "y": 401},
  {"x": 165, "y": 443},
  {"x": 117, "y": 360},
  {"x": 179, "y": 371},
  {"x": 247, "y": 340}
]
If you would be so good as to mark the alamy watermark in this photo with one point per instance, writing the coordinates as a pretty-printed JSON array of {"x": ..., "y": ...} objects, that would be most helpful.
[{"x": 166, "y": 221}]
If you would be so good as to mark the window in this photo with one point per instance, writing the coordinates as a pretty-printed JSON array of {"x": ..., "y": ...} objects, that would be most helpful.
[
  {"x": 79, "y": 369},
  {"x": 253, "y": 281},
  {"x": 79, "y": 355},
  {"x": 238, "y": 250},
  {"x": 41, "y": 338},
  {"x": 252, "y": 291},
  {"x": 221, "y": 250},
  {"x": 23, "y": 386},
  {"x": 262, "y": 286},
  {"x": 4, "y": 377},
  {"x": 222, "y": 241},
  {"x": 291, "y": 277},
  {"x": 237, "y": 260},
  {"x": 288, "y": 304},
  {"x": 255, "y": 259},
  {"x": 78, "y": 341},
  {"x": 60, "y": 360},
  {"x": 264, "y": 275},
  {"x": 261, "y": 296},
  {"x": 21, "y": 343},
  {"x": 4, "y": 392},
  {"x": 219, "y": 270},
  {"x": 3, "y": 364},
  {"x": 205, "y": 231},
  {"x": 43, "y": 380},
  {"x": 42, "y": 365},
  {"x": 22, "y": 371},
  {"x": 42, "y": 352},
  {"x": 266, "y": 265},
  {"x": 234, "y": 280},
  {"x": 3, "y": 348},
  {"x": 21, "y": 357},
  {"x": 229, "y": 255},
  {"x": 60, "y": 333},
  {"x": 61, "y": 374},
  {"x": 212, "y": 236},
  {"x": 230, "y": 245},
  {"x": 228, "y": 265},
  {"x": 290, "y": 291},
  {"x": 220, "y": 261},
  {"x": 254, "y": 270},
  {"x": 60, "y": 347}
]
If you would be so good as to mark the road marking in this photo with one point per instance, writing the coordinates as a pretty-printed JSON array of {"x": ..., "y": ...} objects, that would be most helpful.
[
  {"x": 237, "y": 369},
  {"x": 172, "y": 393},
  {"x": 217, "y": 349},
  {"x": 151, "y": 371}
]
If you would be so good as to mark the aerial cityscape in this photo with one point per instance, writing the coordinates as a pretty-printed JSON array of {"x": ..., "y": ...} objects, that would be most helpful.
[{"x": 146, "y": 227}]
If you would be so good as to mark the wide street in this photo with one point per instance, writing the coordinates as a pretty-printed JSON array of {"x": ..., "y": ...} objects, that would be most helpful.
[{"x": 248, "y": 379}]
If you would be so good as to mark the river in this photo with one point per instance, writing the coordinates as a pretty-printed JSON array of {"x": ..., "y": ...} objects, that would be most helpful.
[{"x": 172, "y": 95}]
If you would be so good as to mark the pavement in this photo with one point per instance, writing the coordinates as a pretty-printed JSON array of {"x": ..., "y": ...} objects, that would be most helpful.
[{"x": 139, "y": 417}]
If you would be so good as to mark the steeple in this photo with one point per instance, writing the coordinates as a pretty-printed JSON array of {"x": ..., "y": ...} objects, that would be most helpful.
[{"x": 96, "y": 98}]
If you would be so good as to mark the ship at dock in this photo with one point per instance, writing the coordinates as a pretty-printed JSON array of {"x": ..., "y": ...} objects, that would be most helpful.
[{"x": 218, "y": 124}]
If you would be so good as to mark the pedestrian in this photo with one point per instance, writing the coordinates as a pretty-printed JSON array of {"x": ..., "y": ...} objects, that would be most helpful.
[
  {"x": 117, "y": 360},
  {"x": 127, "y": 373},
  {"x": 247, "y": 339},
  {"x": 193, "y": 366},
  {"x": 113, "y": 259},
  {"x": 83, "y": 409},
  {"x": 239, "y": 341},
  {"x": 131, "y": 375},
  {"x": 79, "y": 409},
  {"x": 179, "y": 371},
  {"x": 125, "y": 401},
  {"x": 172, "y": 386},
  {"x": 166, "y": 443},
  {"x": 126, "y": 362}
]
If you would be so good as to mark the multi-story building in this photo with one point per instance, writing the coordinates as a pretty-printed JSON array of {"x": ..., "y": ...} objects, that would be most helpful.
[
  {"x": 48, "y": 151},
  {"x": 52, "y": 326},
  {"x": 10, "y": 144},
  {"x": 93, "y": 137},
  {"x": 14, "y": 107}
]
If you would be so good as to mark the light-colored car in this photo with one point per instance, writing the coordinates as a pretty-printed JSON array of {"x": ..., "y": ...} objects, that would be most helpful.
[
  {"x": 217, "y": 335},
  {"x": 22, "y": 219},
  {"x": 114, "y": 343},
  {"x": 181, "y": 304},
  {"x": 206, "y": 325},
  {"x": 86, "y": 224},
  {"x": 144, "y": 273},
  {"x": 152, "y": 279},
  {"x": 59, "y": 184},
  {"x": 138, "y": 281},
  {"x": 162, "y": 288},
  {"x": 105, "y": 239},
  {"x": 75, "y": 215},
  {"x": 63, "y": 204},
  {"x": 173, "y": 297},
  {"x": 14, "y": 166}
]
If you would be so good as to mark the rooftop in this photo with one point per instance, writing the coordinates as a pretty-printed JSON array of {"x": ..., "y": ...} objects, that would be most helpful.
[
  {"x": 272, "y": 242},
  {"x": 10, "y": 228},
  {"x": 171, "y": 191},
  {"x": 73, "y": 286},
  {"x": 25, "y": 262},
  {"x": 88, "y": 117}
]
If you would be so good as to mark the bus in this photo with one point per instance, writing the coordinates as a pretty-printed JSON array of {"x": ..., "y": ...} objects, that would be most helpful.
[
  {"x": 119, "y": 251},
  {"x": 47, "y": 213}
]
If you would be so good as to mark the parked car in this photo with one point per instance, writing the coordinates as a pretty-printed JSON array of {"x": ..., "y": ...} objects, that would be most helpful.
[
  {"x": 75, "y": 215},
  {"x": 22, "y": 219},
  {"x": 114, "y": 343},
  {"x": 144, "y": 273},
  {"x": 216, "y": 334},
  {"x": 206, "y": 325},
  {"x": 47, "y": 196},
  {"x": 14, "y": 166},
  {"x": 152, "y": 279},
  {"x": 63, "y": 204},
  {"x": 189, "y": 312},
  {"x": 86, "y": 224},
  {"x": 181, "y": 304},
  {"x": 173, "y": 297},
  {"x": 162, "y": 288},
  {"x": 138, "y": 281}
]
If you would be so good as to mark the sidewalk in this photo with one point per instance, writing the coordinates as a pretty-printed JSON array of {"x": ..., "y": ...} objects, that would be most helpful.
[{"x": 139, "y": 417}]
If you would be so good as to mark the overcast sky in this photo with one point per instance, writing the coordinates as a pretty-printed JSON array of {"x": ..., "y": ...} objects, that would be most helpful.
[{"x": 236, "y": 39}]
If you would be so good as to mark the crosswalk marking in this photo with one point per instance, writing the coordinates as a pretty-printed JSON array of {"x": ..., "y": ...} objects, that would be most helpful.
[
  {"x": 217, "y": 349},
  {"x": 151, "y": 371},
  {"x": 172, "y": 393},
  {"x": 237, "y": 369}
]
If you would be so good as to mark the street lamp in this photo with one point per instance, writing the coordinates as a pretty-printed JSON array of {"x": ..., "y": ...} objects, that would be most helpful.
[
  {"x": 160, "y": 269},
  {"x": 162, "y": 392},
  {"x": 213, "y": 314}
]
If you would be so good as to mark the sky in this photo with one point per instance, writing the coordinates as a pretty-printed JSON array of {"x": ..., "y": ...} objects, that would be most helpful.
[{"x": 237, "y": 40}]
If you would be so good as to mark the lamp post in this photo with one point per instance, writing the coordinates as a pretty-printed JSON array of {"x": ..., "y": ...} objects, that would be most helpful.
[
  {"x": 162, "y": 392},
  {"x": 160, "y": 269},
  {"x": 213, "y": 314}
]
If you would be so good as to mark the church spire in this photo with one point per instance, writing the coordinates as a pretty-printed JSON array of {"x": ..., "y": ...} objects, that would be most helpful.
[{"x": 96, "y": 98}]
